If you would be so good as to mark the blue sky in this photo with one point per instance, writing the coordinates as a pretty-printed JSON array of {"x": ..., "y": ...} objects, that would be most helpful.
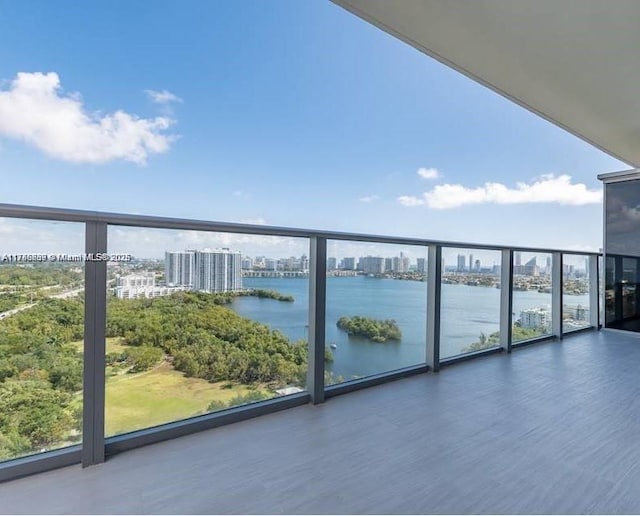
[{"x": 285, "y": 112}]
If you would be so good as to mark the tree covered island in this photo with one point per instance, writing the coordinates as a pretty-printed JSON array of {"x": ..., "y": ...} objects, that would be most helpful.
[{"x": 373, "y": 329}]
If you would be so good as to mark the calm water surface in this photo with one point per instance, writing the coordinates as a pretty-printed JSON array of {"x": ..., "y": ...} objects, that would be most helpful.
[{"x": 466, "y": 312}]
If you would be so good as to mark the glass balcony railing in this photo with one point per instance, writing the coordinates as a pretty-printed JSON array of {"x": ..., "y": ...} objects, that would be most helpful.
[
  {"x": 470, "y": 313},
  {"x": 121, "y": 330},
  {"x": 376, "y": 309},
  {"x": 532, "y": 296},
  {"x": 41, "y": 337},
  {"x": 576, "y": 289}
]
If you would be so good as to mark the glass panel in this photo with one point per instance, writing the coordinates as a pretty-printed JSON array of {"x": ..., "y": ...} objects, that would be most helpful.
[
  {"x": 470, "y": 313},
  {"x": 575, "y": 292},
  {"x": 41, "y": 336},
  {"x": 629, "y": 286},
  {"x": 376, "y": 309},
  {"x": 199, "y": 322},
  {"x": 531, "y": 295},
  {"x": 609, "y": 292},
  {"x": 622, "y": 247}
]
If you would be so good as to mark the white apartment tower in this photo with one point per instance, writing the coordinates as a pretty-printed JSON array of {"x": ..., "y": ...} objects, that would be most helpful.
[
  {"x": 218, "y": 270},
  {"x": 179, "y": 267}
]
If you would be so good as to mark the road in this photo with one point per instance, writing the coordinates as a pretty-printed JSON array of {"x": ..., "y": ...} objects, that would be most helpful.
[{"x": 62, "y": 295}]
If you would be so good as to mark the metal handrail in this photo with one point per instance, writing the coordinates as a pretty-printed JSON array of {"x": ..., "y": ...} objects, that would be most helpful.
[{"x": 147, "y": 221}]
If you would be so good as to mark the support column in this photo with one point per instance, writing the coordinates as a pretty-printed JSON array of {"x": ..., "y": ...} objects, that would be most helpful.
[
  {"x": 317, "y": 318},
  {"x": 434, "y": 290},
  {"x": 506, "y": 299},
  {"x": 95, "y": 318},
  {"x": 594, "y": 292},
  {"x": 556, "y": 294}
]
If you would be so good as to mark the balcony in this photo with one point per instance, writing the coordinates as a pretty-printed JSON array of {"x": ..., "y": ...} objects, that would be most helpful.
[
  {"x": 547, "y": 429},
  {"x": 446, "y": 312}
]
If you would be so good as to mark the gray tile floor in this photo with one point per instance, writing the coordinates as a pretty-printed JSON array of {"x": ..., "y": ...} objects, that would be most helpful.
[{"x": 552, "y": 428}]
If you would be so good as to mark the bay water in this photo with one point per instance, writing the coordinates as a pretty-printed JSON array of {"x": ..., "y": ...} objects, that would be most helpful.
[{"x": 467, "y": 311}]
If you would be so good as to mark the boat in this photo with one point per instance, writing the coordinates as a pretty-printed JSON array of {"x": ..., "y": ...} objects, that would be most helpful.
[{"x": 333, "y": 346}]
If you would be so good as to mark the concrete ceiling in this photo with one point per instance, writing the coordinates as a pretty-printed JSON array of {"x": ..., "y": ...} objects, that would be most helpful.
[{"x": 576, "y": 63}]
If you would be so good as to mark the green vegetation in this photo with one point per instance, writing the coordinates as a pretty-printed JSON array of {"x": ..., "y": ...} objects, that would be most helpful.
[
  {"x": 373, "y": 329},
  {"x": 207, "y": 340},
  {"x": 167, "y": 359},
  {"x": 160, "y": 395},
  {"x": 269, "y": 294},
  {"x": 43, "y": 275},
  {"x": 40, "y": 376},
  {"x": 493, "y": 340},
  {"x": 22, "y": 284},
  {"x": 240, "y": 399}
]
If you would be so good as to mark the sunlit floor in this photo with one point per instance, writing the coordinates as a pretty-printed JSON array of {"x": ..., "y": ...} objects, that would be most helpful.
[{"x": 551, "y": 428}]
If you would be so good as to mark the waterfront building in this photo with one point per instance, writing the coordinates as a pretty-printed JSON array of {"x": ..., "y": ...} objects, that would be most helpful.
[
  {"x": 247, "y": 263},
  {"x": 400, "y": 264},
  {"x": 388, "y": 265},
  {"x": 348, "y": 264},
  {"x": 461, "y": 263},
  {"x": 332, "y": 263},
  {"x": 421, "y": 265},
  {"x": 270, "y": 264},
  {"x": 146, "y": 279},
  {"x": 371, "y": 264},
  {"x": 134, "y": 286},
  {"x": 178, "y": 268},
  {"x": 538, "y": 318},
  {"x": 470, "y": 262},
  {"x": 217, "y": 270}
]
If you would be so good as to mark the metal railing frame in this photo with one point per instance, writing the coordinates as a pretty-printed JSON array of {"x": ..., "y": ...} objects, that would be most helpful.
[{"x": 95, "y": 446}]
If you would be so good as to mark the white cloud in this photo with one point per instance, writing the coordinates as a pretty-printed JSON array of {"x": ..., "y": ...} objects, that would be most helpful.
[
  {"x": 35, "y": 110},
  {"x": 369, "y": 198},
  {"x": 162, "y": 97},
  {"x": 408, "y": 200},
  {"x": 428, "y": 173},
  {"x": 545, "y": 189}
]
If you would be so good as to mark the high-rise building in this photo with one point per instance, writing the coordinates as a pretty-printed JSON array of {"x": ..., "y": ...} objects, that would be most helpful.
[
  {"x": 332, "y": 263},
  {"x": 247, "y": 263},
  {"x": 270, "y": 264},
  {"x": 421, "y": 265},
  {"x": 178, "y": 268},
  {"x": 372, "y": 264},
  {"x": 349, "y": 264},
  {"x": 217, "y": 270},
  {"x": 400, "y": 264},
  {"x": 461, "y": 261},
  {"x": 470, "y": 262},
  {"x": 388, "y": 265},
  {"x": 531, "y": 268},
  {"x": 476, "y": 266},
  {"x": 517, "y": 258}
]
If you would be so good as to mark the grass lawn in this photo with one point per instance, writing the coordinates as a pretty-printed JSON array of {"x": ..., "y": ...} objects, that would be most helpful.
[
  {"x": 161, "y": 395},
  {"x": 114, "y": 345}
]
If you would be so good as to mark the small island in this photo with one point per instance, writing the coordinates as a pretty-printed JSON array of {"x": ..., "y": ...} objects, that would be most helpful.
[
  {"x": 373, "y": 329},
  {"x": 269, "y": 294}
]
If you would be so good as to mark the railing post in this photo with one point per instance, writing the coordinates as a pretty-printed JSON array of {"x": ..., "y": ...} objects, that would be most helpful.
[
  {"x": 434, "y": 290},
  {"x": 556, "y": 294},
  {"x": 95, "y": 316},
  {"x": 317, "y": 317},
  {"x": 506, "y": 299},
  {"x": 594, "y": 292}
]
